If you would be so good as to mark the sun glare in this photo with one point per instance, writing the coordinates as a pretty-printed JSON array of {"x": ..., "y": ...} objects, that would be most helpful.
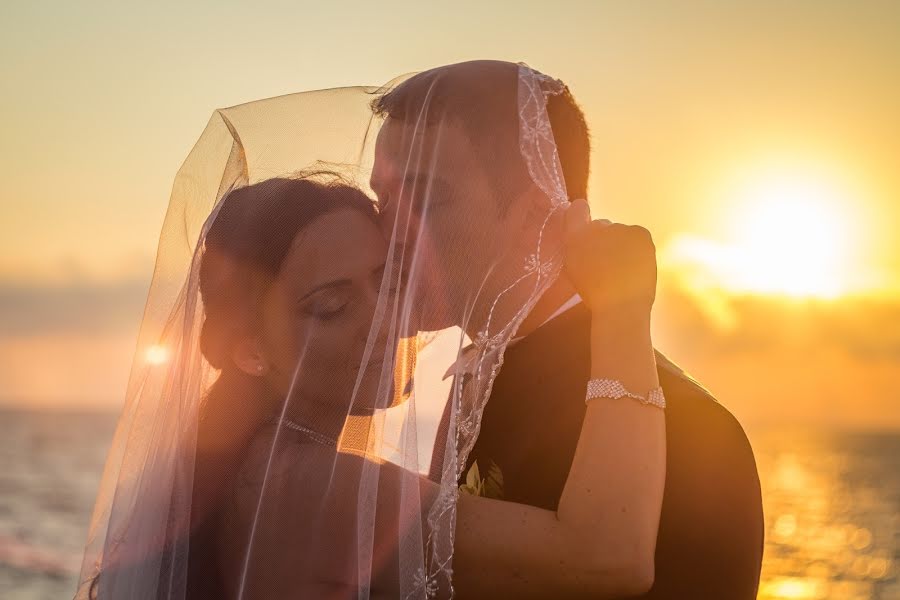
[
  {"x": 156, "y": 355},
  {"x": 791, "y": 238},
  {"x": 786, "y": 234}
]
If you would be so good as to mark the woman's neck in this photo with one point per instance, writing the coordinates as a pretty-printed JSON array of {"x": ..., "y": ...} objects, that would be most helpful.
[{"x": 318, "y": 416}]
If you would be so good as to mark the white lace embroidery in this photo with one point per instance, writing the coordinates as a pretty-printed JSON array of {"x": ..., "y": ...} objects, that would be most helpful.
[
  {"x": 536, "y": 135},
  {"x": 425, "y": 584},
  {"x": 539, "y": 152}
]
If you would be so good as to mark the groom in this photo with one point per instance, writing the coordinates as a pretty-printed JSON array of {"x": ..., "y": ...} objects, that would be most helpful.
[{"x": 710, "y": 536}]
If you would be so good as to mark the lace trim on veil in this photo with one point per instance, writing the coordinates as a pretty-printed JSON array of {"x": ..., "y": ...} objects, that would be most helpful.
[{"x": 538, "y": 149}]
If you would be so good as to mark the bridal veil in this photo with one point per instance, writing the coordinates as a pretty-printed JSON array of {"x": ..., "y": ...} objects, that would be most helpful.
[{"x": 236, "y": 475}]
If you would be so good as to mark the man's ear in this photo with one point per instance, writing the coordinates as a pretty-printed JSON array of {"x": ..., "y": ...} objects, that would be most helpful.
[{"x": 248, "y": 356}]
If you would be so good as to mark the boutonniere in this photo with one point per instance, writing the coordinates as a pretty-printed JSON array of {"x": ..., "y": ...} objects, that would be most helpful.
[{"x": 489, "y": 486}]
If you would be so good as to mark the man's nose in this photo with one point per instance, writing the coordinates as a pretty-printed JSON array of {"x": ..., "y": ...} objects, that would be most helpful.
[{"x": 395, "y": 226}]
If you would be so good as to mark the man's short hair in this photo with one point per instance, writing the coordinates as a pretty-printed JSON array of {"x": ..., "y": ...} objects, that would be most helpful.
[{"x": 482, "y": 96}]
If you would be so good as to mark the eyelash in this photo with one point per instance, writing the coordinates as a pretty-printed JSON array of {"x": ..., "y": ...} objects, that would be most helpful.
[
  {"x": 329, "y": 315},
  {"x": 332, "y": 314},
  {"x": 325, "y": 315}
]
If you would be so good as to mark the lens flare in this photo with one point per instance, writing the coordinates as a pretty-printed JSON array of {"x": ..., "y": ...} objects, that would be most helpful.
[{"x": 156, "y": 355}]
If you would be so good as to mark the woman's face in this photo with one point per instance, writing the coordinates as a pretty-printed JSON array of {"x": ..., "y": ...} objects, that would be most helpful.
[{"x": 316, "y": 317}]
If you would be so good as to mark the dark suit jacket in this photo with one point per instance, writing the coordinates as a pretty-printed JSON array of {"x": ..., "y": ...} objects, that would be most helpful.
[{"x": 710, "y": 538}]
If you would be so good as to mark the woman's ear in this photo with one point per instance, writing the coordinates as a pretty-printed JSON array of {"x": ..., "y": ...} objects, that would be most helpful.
[{"x": 248, "y": 356}]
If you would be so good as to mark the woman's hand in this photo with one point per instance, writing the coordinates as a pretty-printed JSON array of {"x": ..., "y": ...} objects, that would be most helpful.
[{"x": 613, "y": 266}]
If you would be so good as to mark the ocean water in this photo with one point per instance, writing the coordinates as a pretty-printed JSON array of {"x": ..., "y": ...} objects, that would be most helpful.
[
  {"x": 51, "y": 464},
  {"x": 832, "y": 504}
]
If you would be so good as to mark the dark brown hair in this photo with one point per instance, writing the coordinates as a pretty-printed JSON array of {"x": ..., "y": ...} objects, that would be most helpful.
[{"x": 483, "y": 96}]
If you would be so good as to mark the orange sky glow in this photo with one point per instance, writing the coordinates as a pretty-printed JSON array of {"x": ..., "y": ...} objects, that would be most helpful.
[{"x": 758, "y": 141}]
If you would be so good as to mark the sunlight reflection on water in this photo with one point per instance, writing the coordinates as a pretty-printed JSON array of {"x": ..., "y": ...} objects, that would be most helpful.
[{"x": 832, "y": 506}]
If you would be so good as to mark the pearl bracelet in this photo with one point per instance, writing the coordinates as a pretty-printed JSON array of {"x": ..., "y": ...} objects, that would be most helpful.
[{"x": 610, "y": 388}]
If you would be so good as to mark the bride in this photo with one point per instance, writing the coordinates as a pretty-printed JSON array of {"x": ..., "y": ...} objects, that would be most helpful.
[{"x": 280, "y": 452}]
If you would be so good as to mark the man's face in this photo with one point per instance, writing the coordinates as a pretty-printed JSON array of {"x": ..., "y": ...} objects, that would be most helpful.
[{"x": 438, "y": 207}]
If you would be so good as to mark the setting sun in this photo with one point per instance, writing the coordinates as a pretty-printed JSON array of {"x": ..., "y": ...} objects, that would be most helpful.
[
  {"x": 786, "y": 234},
  {"x": 791, "y": 239}
]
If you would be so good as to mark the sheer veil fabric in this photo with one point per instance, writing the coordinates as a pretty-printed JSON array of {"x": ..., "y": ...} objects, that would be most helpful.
[{"x": 334, "y": 267}]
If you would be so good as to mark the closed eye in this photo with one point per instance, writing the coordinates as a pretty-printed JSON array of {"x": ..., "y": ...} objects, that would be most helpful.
[{"x": 326, "y": 307}]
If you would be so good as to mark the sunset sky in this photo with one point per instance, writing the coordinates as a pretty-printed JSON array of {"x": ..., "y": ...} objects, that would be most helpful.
[{"x": 759, "y": 141}]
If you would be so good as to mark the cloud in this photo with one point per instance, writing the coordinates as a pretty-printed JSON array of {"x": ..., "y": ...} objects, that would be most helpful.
[
  {"x": 866, "y": 327},
  {"x": 69, "y": 308},
  {"x": 829, "y": 363}
]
